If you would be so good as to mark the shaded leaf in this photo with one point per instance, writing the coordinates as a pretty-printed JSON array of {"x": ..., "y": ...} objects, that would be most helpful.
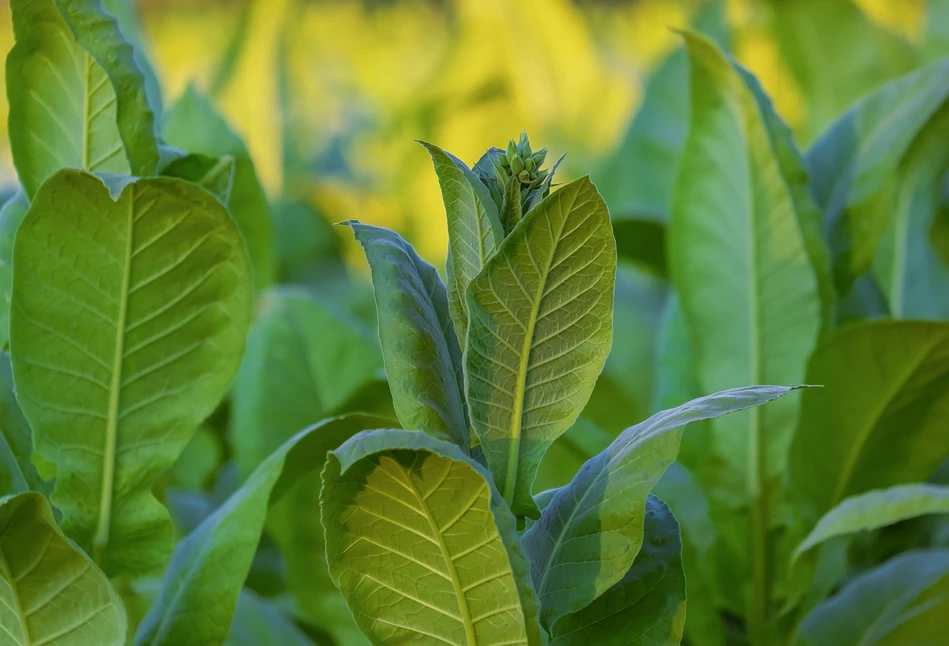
[
  {"x": 11, "y": 215},
  {"x": 257, "y": 621},
  {"x": 213, "y": 174},
  {"x": 17, "y": 473},
  {"x": 128, "y": 321}
]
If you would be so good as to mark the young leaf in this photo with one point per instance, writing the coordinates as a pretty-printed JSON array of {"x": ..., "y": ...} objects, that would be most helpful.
[
  {"x": 877, "y": 509},
  {"x": 17, "y": 473},
  {"x": 474, "y": 230},
  {"x": 11, "y": 215},
  {"x": 540, "y": 330},
  {"x": 591, "y": 531},
  {"x": 213, "y": 174},
  {"x": 303, "y": 361},
  {"x": 644, "y": 608},
  {"x": 128, "y": 321},
  {"x": 77, "y": 97},
  {"x": 853, "y": 166},
  {"x": 50, "y": 592},
  {"x": 211, "y": 563},
  {"x": 194, "y": 125},
  {"x": 422, "y": 545},
  {"x": 880, "y": 418},
  {"x": 902, "y": 602},
  {"x": 419, "y": 346}
]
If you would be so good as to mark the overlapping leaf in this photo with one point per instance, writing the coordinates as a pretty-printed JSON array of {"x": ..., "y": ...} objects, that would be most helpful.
[
  {"x": 540, "y": 330},
  {"x": 128, "y": 321},
  {"x": 422, "y": 545}
]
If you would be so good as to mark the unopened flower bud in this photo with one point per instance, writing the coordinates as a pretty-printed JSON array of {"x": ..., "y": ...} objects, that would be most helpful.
[
  {"x": 523, "y": 145},
  {"x": 530, "y": 165},
  {"x": 524, "y": 176},
  {"x": 517, "y": 166},
  {"x": 511, "y": 152}
]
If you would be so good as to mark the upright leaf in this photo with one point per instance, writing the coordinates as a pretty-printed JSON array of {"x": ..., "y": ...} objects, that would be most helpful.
[
  {"x": 853, "y": 166},
  {"x": 257, "y": 621},
  {"x": 589, "y": 534},
  {"x": 303, "y": 361},
  {"x": 474, "y": 230},
  {"x": 876, "y": 509},
  {"x": 422, "y": 545},
  {"x": 11, "y": 215},
  {"x": 50, "y": 592},
  {"x": 902, "y": 602},
  {"x": 647, "y": 606},
  {"x": 17, "y": 473},
  {"x": 193, "y": 124},
  {"x": 77, "y": 97},
  {"x": 540, "y": 330},
  {"x": 419, "y": 346},
  {"x": 211, "y": 563},
  {"x": 128, "y": 321},
  {"x": 880, "y": 418}
]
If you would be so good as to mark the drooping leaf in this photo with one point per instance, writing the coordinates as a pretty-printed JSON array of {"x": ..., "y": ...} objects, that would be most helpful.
[
  {"x": 211, "y": 563},
  {"x": 50, "y": 592},
  {"x": 214, "y": 174},
  {"x": 128, "y": 321},
  {"x": 589, "y": 534},
  {"x": 474, "y": 230},
  {"x": 303, "y": 361},
  {"x": 902, "y": 602},
  {"x": 540, "y": 330},
  {"x": 17, "y": 473},
  {"x": 77, "y": 96},
  {"x": 194, "y": 125},
  {"x": 877, "y": 509},
  {"x": 422, "y": 545},
  {"x": 647, "y": 606},
  {"x": 422, "y": 357},
  {"x": 854, "y": 165},
  {"x": 812, "y": 32},
  {"x": 880, "y": 418},
  {"x": 257, "y": 622},
  {"x": 11, "y": 215}
]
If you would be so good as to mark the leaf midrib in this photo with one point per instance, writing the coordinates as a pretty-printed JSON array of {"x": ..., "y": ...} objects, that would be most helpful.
[
  {"x": 101, "y": 538},
  {"x": 16, "y": 597}
]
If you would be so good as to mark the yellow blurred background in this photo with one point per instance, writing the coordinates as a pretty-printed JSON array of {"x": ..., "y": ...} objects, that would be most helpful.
[{"x": 331, "y": 94}]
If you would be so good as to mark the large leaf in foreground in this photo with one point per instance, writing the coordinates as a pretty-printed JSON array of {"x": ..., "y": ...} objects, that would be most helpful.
[
  {"x": 303, "y": 361},
  {"x": 591, "y": 531},
  {"x": 880, "y": 418},
  {"x": 901, "y": 603},
  {"x": 474, "y": 230},
  {"x": 877, "y": 509},
  {"x": 128, "y": 321},
  {"x": 419, "y": 346},
  {"x": 194, "y": 125},
  {"x": 540, "y": 330},
  {"x": 854, "y": 165},
  {"x": 211, "y": 563},
  {"x": 77, "y": 97},
  {"x": 50, "y": 592},
  {"x": 644, "y": 608},
  {"x": 422, "y": 545}
]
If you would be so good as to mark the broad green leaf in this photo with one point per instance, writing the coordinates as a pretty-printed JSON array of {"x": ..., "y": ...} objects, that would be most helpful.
[
  {"x": 198, "y": 462},
  {"x": 128, "y": 321},
  {"x": 540, "y": 331},
  {"x": 11, "y": 215},
  {"x": 422, "y": 357},
  {"x": 638, "y": 180},
  {"x": 746, "y": 261},
  {"x": 937, "y": 29},
  {"x": 50, "y": 592},
  {"x": 77, "y": 97},
  {"x": 423, "y": 546},
  {"x": 474, "y": 230},
  {"x": 901, "y": 603},
  {"x": 591, "y": 531},
  {"x": 211, "y": 563},
  {"x": 303, "y": 361},
  {"x": 880, "y": 418},
  {"x": 193, "y": 124},
  {"x": 647, "y": 606},
  {"x": 810, "y": 33},
  {"x": 17, "y": 473},
  {"x": 876, "y": 509},
  {"x": 854, "y": 165},
  {"x": 213, "y": 174},
  {"x": 258, "y": 622}
]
